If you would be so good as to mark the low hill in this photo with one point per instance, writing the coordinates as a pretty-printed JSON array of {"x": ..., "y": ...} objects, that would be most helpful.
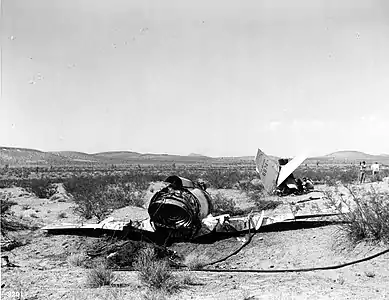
[
  {"x": 197, "y": 155},
  {"x": 118, "y": 155},
  {"x": 75, "y": 156},
  {"x": 351, "y": 155},
  {"x": 23, "y": 156}
]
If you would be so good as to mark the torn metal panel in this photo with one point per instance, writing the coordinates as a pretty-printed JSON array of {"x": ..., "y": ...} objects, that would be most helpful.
[
  {"x": 289, "y": 168},
  {"x": 268, "y": 171},
  {"x": 108, "y": 224},
  {"x": 253, "y": 221}
]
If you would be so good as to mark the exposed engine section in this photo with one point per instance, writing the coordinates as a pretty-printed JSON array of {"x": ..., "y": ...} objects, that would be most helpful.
[{"x": 179, "y": 208}]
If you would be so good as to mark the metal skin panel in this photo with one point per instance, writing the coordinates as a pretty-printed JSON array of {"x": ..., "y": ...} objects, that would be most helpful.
[
  {"x": 267, "y": 170},
  {"x": 205, "y": 208}
]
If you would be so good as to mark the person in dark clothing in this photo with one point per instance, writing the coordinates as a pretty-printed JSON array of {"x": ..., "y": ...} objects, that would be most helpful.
[
  {"x": 300, "y": 185},
  {"x": 362, "y": 172}
]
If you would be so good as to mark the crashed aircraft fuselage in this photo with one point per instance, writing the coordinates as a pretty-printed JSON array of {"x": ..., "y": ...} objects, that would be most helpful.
[{"x": 183, "y": 209}]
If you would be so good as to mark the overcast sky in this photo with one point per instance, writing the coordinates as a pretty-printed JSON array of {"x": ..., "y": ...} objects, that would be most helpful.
[{"x": 221, "y": 78}]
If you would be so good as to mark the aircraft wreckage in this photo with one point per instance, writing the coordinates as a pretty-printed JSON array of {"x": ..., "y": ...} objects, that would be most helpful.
[{"x": 183, "y": 209}]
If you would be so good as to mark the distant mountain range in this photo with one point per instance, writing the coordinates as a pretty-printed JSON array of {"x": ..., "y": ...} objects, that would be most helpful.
[
  {"x": 22, "y": 156},
  {"x": 353, "y": 156}
]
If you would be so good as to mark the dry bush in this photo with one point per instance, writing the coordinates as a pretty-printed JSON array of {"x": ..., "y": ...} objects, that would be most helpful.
[
  {"x": 122, "y": 253},
  {"x": 155, "y": 295},
  {"x": 188, "y": 279},
  {"x": 329, "y": 174},
  {"x": 222, "y": 179},
  {"x": 6, "y": 203},
  {"x": 42, "y": 188},
  {"x": 154, "y": 272},
  {"x": 97, "y": 197},
  {"x": 99, "y": 276},
  {"x": 260, "y": 201},
  {"x": 195, "y": 261},
  {"x": 77, "y": 259},
  {"x": 252, "y": 185},
  {"x": 222, "y": 204},
  {"x": 8, "y": 221},
  {"x": 124, "y": 194},
  {"x": 364, "y": 214}
]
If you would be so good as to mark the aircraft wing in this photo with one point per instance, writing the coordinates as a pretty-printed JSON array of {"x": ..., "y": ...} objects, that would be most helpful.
[
  {"x": 290, "y": 167},
  {"x": 267, "y": 170}
]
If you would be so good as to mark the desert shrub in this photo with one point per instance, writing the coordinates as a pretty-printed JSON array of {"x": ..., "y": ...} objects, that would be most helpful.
[
  {"x": 154, "y": 272},
  {"x": 254, "y": 185},
  {"x": 79, "y": 185},
  {"x": 222, "y": 204},
  {"x": 125, "y": 254},
  {"x": 329, "y": 175},
  {"x": 155, "y": 295},
  {"x": 364, "y": 214},
  {"x": 222, "y": 179},
  {"x": 122, "y": 253},
  {"x": 261, "y": 202},
  {"x": 96, "y": 197},
  {"x": 99, "y": 276},
  {"x": 8, "y": 221},
  {"x": 77, "y": 259},
  {"x": 6, "y": 203},
  {"x": 195, "y": 262},
  {"x": 42, "y": 188},
  {"x": 123, "y": 194},
  {"x": 188, "y": 279},
  {"x": 348, "y": 176}
]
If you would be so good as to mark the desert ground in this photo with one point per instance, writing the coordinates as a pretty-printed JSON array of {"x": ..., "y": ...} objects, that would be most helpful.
[{"x": 43, "y": 270}]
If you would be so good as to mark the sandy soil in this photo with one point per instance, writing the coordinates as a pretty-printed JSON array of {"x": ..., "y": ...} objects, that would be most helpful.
[{"x": 44, "y": 272}]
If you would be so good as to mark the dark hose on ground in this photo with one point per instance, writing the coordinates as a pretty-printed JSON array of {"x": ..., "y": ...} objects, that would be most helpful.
[{"x": 333, "y": 267}]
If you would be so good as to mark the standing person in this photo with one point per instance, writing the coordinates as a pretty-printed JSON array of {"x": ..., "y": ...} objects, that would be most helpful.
[
  {"x": 300, "y": 186},
  {"x": 375, "y": 168},
  {"x": 362, "y": 172}
]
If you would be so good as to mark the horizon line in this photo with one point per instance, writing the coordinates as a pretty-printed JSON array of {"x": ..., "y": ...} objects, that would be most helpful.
[{"x": 174, "y": 154}]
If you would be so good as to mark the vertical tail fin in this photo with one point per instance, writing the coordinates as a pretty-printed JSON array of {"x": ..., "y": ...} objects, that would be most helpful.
[{"x": 267, "y": 170}]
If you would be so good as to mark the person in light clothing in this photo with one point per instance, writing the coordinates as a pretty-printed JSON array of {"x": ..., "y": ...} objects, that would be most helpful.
[{"x": 375, "y": 169}]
